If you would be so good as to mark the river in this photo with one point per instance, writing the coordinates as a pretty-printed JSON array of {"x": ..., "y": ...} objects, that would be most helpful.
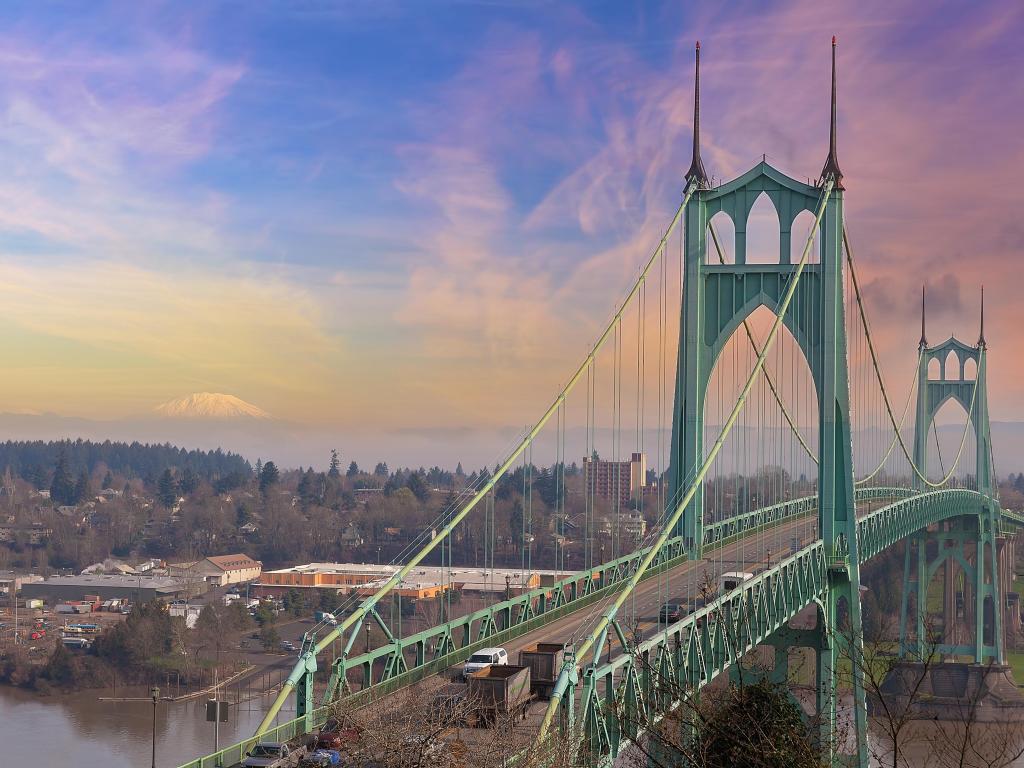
[{"x": 47, "y": 730}]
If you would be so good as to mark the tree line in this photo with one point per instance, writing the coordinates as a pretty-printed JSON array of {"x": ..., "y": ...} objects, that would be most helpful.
[{"x": 32, "y": 460}]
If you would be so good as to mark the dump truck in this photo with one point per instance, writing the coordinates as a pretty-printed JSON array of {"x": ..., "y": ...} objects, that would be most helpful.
[
  {"x": 499, "y": 691},
  {"x": 545, "y": 663}
]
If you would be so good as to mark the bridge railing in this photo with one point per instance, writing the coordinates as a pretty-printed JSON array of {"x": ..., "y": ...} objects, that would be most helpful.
[
  {"x": 564, "y": 597},
  {"x": 693, "y": 651}
]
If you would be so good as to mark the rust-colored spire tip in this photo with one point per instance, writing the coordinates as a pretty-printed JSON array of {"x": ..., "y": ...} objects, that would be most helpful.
[
  {"x": 833, "y": 41},
  {"x": 698, "y": 45}
]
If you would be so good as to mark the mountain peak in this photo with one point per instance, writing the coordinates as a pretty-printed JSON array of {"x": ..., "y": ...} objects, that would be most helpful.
[{"x": 212, "y": 406}]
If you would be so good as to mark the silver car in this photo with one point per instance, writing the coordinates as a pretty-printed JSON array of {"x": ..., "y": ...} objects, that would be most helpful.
[{"x": 272, "y": 754}]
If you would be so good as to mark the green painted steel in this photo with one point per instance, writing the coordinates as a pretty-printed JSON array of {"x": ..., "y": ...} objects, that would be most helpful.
[
  {"x": 694, "y": 651},
  {"x": 970, "y": 543},
  {"x": 717, "y": 299}
]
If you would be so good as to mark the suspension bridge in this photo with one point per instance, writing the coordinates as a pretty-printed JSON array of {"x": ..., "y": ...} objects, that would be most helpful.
[{"x": 777, "y": 452}]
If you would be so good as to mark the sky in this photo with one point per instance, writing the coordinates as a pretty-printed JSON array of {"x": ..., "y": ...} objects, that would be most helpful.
[{"x": 394, "y": 218}]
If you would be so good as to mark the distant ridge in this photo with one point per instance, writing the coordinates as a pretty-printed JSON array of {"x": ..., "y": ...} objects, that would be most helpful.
[{"x": 210, "y": 406}]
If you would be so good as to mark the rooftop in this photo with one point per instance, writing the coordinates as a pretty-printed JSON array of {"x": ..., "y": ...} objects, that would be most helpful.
[
  {"x": 235, "y": 562},
  {"x": 108, "y": 580}
]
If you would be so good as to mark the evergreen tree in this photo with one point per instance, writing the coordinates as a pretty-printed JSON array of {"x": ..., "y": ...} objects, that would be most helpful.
[
  {"x": 515, "y": 523},
  {"x": 108, "y": 480},
  {"x": 419, "y": 488},
  {"x": 189, "y": 481},
  {"x": 353, "y": 470},
  {"x": 335, "y": 468},
  {"x": 62, "y": 487},
  {"x": 381, "y": 470},
  {"x": 167, "y": 489},
  {"x": 458, "y": 471},
  {"x": 82, "y": 490},
  {"x": 309, "y": 488},
  {"x": 268, "y": 476}
]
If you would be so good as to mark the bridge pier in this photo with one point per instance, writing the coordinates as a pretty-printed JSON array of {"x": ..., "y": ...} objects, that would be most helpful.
[{"x": 963, "y": 547}]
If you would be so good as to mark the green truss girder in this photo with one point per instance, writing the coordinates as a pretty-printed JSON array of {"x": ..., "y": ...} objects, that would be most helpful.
[{"x": 704, "y": 644}]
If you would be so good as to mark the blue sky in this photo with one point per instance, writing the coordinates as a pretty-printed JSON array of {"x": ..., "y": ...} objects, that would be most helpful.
[{"x": 341, "y": 212}]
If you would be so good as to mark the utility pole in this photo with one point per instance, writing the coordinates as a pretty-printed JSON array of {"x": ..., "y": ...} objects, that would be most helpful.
[
  {"x": 216, "y": 704},
  {"x": 154, "y": 692}
]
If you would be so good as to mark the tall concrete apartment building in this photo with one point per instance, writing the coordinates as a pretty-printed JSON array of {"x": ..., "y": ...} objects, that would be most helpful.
[{"x": 615, "y": 479}]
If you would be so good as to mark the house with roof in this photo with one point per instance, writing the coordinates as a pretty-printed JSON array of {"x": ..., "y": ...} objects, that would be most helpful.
[{"x": 219, "y": 570}]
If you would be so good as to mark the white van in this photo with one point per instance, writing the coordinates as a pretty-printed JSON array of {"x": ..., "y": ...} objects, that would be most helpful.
[
  {"x": 485, "y": 657},
  {"x": 727, "y": 582}
]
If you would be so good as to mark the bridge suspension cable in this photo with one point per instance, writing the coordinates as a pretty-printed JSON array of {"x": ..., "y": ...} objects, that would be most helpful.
[
  {"x": 885, "y": 394},
  {"x": 396, "y": 578},
  {"x": 892, "y": 443},
  {"x": 628, "y": 586}
]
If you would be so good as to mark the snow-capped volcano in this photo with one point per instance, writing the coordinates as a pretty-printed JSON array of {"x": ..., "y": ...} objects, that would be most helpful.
[{"x": 210, "y": 405}]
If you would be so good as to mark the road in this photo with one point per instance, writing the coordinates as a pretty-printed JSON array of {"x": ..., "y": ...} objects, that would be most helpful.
[{"x": 683, "y": 584}]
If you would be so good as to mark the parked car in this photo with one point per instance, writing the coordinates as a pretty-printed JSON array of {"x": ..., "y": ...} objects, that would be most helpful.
[
  {"x": 272, "y": 754},
  {"x": 321, "y": 758},
  {"x": 484, "y": 658},
  {"x": 671, "y": 612},
  {"x": 288, "y": 645},
  {"x": 335, "y": 734}
]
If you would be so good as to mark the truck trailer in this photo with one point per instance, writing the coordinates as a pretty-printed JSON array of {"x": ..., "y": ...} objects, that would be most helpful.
[
  {"x": 545, "y": 663},
  {"x": 500, "y": 690}
]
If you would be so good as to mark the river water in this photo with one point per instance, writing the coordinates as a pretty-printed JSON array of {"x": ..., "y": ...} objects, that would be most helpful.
[{"x": 77, "y": 728}]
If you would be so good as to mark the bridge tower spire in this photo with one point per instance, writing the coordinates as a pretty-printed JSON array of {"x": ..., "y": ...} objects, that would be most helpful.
[
  {"x": 831, "y": 168},
  {"x": 924, "y": 339},
  {"x": 981, "y": 336},
  {"x": 696, "y": 171}
]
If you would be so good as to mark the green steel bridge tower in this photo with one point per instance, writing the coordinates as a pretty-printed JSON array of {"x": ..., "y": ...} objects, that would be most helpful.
[{"x": 717, "y": 299}]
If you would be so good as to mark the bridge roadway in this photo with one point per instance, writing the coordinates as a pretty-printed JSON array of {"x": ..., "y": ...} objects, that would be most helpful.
[
  {"x": 680, "y": 584},
  {"x": 750, "y": 553}
]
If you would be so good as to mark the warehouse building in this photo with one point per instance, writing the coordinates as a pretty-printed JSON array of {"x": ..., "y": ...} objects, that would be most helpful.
[
  {"x": 219, "y": 570},
  {"x": 423, "y": 581},
  {"x": 134, "y": 589}
]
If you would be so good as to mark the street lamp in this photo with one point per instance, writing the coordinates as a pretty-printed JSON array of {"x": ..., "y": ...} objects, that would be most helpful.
[{"x": 154, "y": 692}]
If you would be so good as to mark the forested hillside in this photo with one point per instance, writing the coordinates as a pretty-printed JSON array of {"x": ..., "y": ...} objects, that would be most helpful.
[{"x": 34, "y": 460}]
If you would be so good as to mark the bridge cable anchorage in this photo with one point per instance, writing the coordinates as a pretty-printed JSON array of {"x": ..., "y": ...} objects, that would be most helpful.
[
  {"x": 629, "y": 586},
  {"x": 885, "y": 393},
  {"x": 301, "y": 669},
  {"x": 768, "y": 378}
]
